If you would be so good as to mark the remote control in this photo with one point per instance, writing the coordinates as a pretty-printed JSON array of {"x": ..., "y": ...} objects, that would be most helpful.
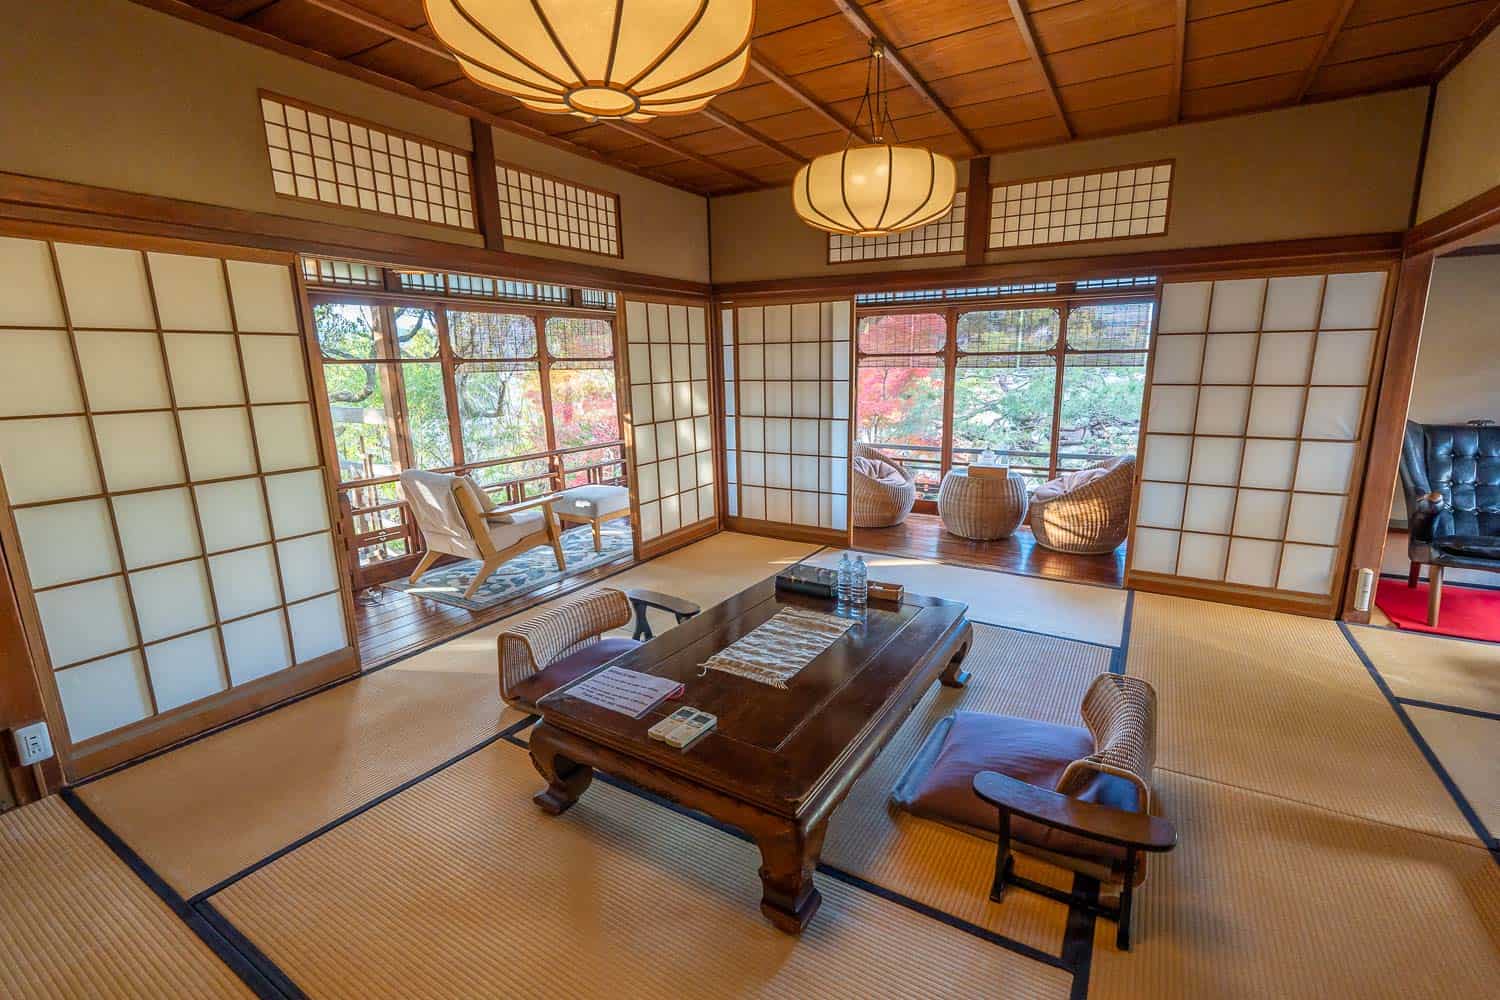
[
  {"x": 671, "y": 722},
  {"x": 684, "y": 734}
]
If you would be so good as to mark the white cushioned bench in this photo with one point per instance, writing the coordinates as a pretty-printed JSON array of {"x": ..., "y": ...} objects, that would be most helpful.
[{"x": 592, "y": 505}]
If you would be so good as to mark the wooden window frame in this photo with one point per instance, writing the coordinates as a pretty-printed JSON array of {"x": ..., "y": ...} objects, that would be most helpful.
[
  {"x": 506, "y": 222},
  {"x": 997, "y": 215}
]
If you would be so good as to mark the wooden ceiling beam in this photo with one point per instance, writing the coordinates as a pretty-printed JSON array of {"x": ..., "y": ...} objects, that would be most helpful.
[
  {"x": 1329, "y": 37},
  {"x": 866, "y": 27},
  {"x": 791, "y": 86},
  {"x": 1177, "y": 62},
  {"x": 687, "y": 154},
  {"x": 1463, "y": 48},
  {"x": 754, "y": 135},
  {"x": 1028, "y": 39}
]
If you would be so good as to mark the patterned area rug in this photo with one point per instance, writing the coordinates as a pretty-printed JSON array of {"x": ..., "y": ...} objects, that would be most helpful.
[{"x": 531, "y": 569}]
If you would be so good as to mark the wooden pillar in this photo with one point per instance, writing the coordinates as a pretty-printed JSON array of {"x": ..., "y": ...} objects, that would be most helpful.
[
  {"x": 1395, "y": 383},
  {"x": 486, "y": 185},
  {"x": 977, "y": 212}
]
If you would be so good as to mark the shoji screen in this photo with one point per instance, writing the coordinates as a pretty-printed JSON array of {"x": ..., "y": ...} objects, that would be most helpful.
[
  {"x": 1258, "y": 408},
  {"x": 163, "y": 480},
  {"x": 788, "y": 399},
  {"x": 671, "y": 419}
]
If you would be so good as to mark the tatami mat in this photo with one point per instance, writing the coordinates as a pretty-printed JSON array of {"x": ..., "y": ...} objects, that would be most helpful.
[
  {"x": 1466, "y": 746},
  {"x": 460, "y": 886},
  {"x": 76, "y": 923},
  {"x": 1428, "y": 668},
  {"x": 1282, "y": 705},
  {"x": 1270, "y": 898},
  {"x": 1013, "y": 674},
  {"x": 1072, "y": 610}
]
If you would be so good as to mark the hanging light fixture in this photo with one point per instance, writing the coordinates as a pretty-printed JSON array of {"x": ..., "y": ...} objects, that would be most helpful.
[
  {"x": 878, "y": 188},
  {"x": 631, "y": 59}
]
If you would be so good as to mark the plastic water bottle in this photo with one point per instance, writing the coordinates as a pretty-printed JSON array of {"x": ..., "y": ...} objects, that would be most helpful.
[
  {"x": 859, "y": 595},
  {"x": 844, "y": 588}
]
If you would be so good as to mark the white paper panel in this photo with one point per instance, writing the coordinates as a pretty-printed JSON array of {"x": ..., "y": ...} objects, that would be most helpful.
[
  {"x": 274, "y": 368},
  {"x": 37, "y": 375},
  {"x": 1229, "y": 358},
  {"x": 640, "y": 405},
  {"x": 1284, "y": 358},
  {"x": 1292, "y": 303},
  {"x": 298, "y": 504},
  {"x": 156, "y": 527},
  {"x": 1184, "y": 307},
  {"x": 1252, "y": 562},
  {"x": 1352, "y": 301},
  {"x": 1333, "y": 413},
  {"x": 1154, "y": 551},
  {"x": 47, "y": 459},
  {"x": 1166, "y": 458},
  {"x": 232, "y": 514},
  {"x": 1260, "y": 513},
  {"x": 1236, "y": 305},
  {"x": 1268, "y": 464},
  {"x": 67, "y": 542},
  {"x": 650, "y": 520},
  {"x": 1222, "y": 409},
  {"x": 262, "y": 295},
  {"x": 1161, "y": 505},
  {"x": 635, "y": 321},
  {"x": 28, "y": 289},
  {"x": 285, "y": 436},
  {"x": 1343, "y": 358},
  {"x": 86, "y": 620},
  {"x": 307, "y": 566},
  {"x": 218, "y": 443},
  {"x": 257, "y": 647},
  {"x": 104, "y": 695},
  {"x": 245, "y": 581},
  {"x": 647, "y": 488},
  {"x": 1306, "y": 568},
  {"x": 1216, "y": 461},
  {"x": 1276, "y": 411},
  {"x": 190, "y": 292},
  {"x": 138, "y": 450},
  {"x": 1209, "y": 508},
  {"x": 1325, "y": 466},
  {"x": 1202, "y": 556},
  {"x": 640, "y": 364},
  {"x": 205, "y": 369},
  {"x": 185, "y": 670},
  {"x": 1178, "y": 360},
  {"x": 1316, "y": 518},
  {"x": 105, "y": 287},
  {"x": 122, "y": 371},
  {"x": 317, "y": 627},
  {"x": 171, "y": 599}
]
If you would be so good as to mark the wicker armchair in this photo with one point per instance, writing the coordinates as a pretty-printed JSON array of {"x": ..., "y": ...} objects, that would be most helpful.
[
  {"x": 880, "y": 500},
  {"x": 1089, "y": 517}
]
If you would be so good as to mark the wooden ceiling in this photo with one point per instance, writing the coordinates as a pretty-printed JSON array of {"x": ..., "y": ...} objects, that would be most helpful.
[{"x": 970, "y": 77}]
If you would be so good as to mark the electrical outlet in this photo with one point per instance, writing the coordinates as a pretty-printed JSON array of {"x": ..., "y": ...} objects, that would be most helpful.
[{"x": 33, "y": 743}]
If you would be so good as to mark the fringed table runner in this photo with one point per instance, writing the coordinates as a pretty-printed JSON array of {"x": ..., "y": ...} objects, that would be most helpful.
[{"x": 774, "y": 651}]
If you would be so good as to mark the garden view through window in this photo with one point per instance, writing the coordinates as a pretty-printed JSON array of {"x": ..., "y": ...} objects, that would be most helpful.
[
  {"x": 524, "y": 399},
  {"x": 1049, "y": 387}
]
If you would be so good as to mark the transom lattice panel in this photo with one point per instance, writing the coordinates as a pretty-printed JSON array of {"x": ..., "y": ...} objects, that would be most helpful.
[
  {"x": 671, "y": 416},
  {"x": 1257, "y": 417},
  {"x": 320, "y": 155},
  {"x": 946, "y": 235},
  {"x": 1084, "y": 207},
  {"x": 158, "y": 451},
  {"x": 536, "y": 208},
  {"x": 787, "y": 391}
]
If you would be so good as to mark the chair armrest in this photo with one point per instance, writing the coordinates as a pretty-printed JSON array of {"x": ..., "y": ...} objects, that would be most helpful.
[
  {"x": 516, "y": 508},
  {"x": 640, "y": 600},
  {"x": 1141, "y": 831},
  {"x": 1423, "y": 520}
]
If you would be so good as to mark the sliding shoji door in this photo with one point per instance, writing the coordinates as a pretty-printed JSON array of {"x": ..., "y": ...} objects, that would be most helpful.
[
  {"x": 167, "y": 520},
  {"x": 788, "y": 397},
  {"x": 1257, "y": 419},
  {"x": 670, "y": 413}
]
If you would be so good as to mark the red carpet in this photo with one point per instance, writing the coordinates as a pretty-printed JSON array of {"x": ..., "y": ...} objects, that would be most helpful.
[{"x": 1470, "y": 614}]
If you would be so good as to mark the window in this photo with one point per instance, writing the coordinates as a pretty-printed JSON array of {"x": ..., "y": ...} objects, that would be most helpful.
[
  {"x": 946, "y": 235},
  {"x": 1081, "y": 208},
  {"x": 535, "y": 208},
  {"x": 1004, "y": 385},
  {"x": 901, "y": 391}
]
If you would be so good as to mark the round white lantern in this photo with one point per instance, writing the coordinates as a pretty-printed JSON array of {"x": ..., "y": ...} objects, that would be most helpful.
[{"x": 875, "y": 190}]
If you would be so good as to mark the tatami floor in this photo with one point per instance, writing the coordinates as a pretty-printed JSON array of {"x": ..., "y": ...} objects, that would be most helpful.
[{"x": 1335, "y": 791}]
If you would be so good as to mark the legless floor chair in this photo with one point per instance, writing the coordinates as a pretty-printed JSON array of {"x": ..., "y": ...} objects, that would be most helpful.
[{"x": 458, "y": 518}]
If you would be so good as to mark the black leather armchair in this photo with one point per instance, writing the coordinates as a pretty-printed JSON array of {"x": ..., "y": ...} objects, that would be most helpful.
[{"x": 1450, "y": 474}]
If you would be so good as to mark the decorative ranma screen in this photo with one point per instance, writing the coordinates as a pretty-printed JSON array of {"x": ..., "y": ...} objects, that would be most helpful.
[
  {"x": 946, "y": 235},
  {"x": 536, "y": 208},
  {"x": 320, "y": 155},
  {"x": 1082, "y": 208}
]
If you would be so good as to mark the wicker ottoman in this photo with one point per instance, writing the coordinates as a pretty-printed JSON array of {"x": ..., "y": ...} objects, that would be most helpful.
[{"x": 982, "y": 507}]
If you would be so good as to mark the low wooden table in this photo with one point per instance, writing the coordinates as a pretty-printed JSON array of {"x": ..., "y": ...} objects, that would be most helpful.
[{"x": 779, "y": 761}]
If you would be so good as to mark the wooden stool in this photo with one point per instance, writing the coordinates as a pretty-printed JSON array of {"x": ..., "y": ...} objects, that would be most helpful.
[{"x": 592, "y": 505}]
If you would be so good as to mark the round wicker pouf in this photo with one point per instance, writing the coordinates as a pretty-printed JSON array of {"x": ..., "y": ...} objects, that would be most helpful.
[{"x": 982, "y": 507}]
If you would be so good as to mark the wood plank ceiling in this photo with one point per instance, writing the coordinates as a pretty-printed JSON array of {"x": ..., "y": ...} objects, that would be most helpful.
[{"x": 969, "y": 77}]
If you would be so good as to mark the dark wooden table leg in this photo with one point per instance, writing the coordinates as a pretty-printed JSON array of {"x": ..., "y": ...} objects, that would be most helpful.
[
  {"x": 954, "y": 675},
  {"x": 1003, "y": 858},
  {"x": 566, "y": 779},
  {"x": 1122, "y": 936},
  {"x": 788, "y": 857}
]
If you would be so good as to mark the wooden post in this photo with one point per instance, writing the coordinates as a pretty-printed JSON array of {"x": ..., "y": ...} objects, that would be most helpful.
[
  {"x": 486, "y": 186},
  {"x": 977, "y": 212}
]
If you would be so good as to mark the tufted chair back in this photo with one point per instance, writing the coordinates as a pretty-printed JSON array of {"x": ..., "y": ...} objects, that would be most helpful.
[{"x": 1460, "y": 461}]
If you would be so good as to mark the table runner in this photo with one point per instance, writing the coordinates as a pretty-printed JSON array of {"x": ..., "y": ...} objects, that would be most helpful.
[{"x": 776, "y": 650}]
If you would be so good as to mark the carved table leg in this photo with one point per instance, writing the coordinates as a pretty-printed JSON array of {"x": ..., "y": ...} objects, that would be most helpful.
[
  {"x": 566, "y": 779},
  {"x": 788, "y": 856},
  {"x": 954, "y": 675}
]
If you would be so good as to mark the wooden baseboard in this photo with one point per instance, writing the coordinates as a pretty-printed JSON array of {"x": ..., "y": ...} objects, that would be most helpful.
[
  {"x": 1264, "y": 599},
  {"x": 662, "y": 544},
  {"x": 789, "y": 532}
]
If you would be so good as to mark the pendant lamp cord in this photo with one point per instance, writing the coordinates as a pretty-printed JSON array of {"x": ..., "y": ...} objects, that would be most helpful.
[{"x": 876, "y": 100}]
